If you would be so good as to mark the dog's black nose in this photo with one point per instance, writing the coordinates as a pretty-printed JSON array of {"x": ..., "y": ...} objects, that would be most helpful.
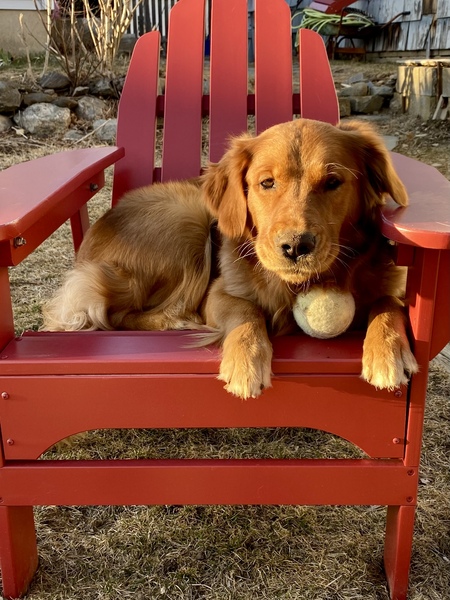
[{"x": 298, "y": 245}]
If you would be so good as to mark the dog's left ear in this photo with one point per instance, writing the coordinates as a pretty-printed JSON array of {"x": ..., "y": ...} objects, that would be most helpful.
[
  {"x": 224, "y": 187},
  {"x": 380, "y": 171}
]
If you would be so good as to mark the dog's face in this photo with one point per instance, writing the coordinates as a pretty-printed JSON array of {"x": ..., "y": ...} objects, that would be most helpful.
[{"x": 297, "y": 188}]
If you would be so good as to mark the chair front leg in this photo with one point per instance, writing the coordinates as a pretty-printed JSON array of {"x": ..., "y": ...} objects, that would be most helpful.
[
  {"x": 397, "y": 549},
  {"x": 18, "y": 549}
]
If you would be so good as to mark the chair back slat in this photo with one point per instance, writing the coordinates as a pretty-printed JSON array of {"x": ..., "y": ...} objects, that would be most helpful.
[
  {"x": 273, "y": 64},
  {"x": 228, "y": 80},
  {"x": 136, "y": 129},
  {"x": 318, "y": 98},
  {"x": 182, "y": 142}
]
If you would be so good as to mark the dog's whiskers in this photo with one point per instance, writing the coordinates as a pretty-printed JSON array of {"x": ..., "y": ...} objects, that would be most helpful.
[
  {"x": 353, "y": 172},
  {"x": 245, "y": 250}
]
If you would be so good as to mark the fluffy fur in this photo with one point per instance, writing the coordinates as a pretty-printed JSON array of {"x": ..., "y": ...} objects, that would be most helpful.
[{"x": 295, "y": 206}]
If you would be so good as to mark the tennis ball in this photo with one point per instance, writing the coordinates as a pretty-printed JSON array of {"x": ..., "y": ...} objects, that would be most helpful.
[{"x": 324, "y": 312}]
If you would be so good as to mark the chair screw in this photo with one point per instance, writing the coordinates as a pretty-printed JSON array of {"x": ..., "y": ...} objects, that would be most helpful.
[
  {"x": 19, "y": 241},
  {"x": 5, "y": 395},
  {"x": 410, "y": 472},
  {"x": 398, "y": 393},
  {"x": 409, "y": 499},
  {"x": 10, "y": 442},
  {"x": 396, "y": 441}
]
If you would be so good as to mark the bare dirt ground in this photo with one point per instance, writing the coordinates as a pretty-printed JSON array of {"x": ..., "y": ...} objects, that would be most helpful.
[{"x": 233, "y": 553}]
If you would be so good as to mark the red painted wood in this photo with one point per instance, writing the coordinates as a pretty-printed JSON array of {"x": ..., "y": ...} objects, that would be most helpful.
[
  {"x": 136, "y": 127},
  {"x": 273, "y": 64},
  {"x": 397, "y": 548},
  {"x": 228, "y": 78},
  {"x": 40, "y": 411},
  {"x": 6, "y": 314},
  {"x": 45, "y": 225},
  {"x": 208, "y": 481},
  {"x": 79, "y": 224},
  {"x": 330, "y": 6},
  {"x": 18, "y": 550},
  {"x": 184, "y": 88},
  {"x": 441, "y": 323},
  {"x": 115, "y": 352},
  {"x": 318, "y": 98},
  {"x": 426, "y": 221},
  {"x": 421, "y": 314},
  {"x": 31, "y": 194}
]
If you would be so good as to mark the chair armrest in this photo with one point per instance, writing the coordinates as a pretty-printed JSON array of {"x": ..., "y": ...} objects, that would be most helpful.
[
  {"x": 426, "y": 221},
  {"x": 38, "y": 196}
]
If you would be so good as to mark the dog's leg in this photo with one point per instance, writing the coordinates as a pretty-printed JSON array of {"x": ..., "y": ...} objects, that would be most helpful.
[
  {"x": 387, "y": 357},
  {"x": 247, "y": 351},
  {"x": 156, "y": 321}
]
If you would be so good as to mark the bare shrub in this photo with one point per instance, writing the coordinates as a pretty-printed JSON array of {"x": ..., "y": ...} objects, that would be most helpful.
[{"x": 83, "y": 39}]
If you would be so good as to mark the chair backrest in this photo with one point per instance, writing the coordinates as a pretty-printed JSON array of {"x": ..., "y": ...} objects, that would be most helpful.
[{"x": 227, "y": 101}]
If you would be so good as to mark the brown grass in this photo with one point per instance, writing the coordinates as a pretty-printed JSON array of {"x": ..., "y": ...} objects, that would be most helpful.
[{"x": 237, "y": 552}]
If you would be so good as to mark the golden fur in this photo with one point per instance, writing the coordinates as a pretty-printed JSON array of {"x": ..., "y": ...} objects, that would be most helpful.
[{"x": 296, "y": 205}]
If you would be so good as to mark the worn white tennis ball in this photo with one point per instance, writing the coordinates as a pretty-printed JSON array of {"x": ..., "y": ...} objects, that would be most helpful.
[{"x": 324, "y": 312}]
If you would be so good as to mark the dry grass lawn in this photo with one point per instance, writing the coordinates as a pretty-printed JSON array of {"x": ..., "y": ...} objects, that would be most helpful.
[{"x": 237, "y": 552}]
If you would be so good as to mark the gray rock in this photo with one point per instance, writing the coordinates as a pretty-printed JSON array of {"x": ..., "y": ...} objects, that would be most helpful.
[
  {"x": 5, "y": 124},
  {"x": 396, "y": 105},
  {"x": 44, "y": 120},
  {"x": 356, "y": 78},
  {"x": 366, "y": 104},
  {"x": 102, "y": 87},
  {"x": 10, "y": 97},
  {"x": 357, "y": 89},
  {"x": 345, "y": 109},
  {"x": 81, "y": 90},
  {"x": 105, "y": 130},
  {"x": 55, "y": 81},
  {"x": 73, "y": 136},
  {"x": 90, "y": 109},
  {"x": 66, "y": 102},
  {"x": 37, "y": 98},
  {"x": 127, "y": 43},
  {"x": 382, "y": 90}
]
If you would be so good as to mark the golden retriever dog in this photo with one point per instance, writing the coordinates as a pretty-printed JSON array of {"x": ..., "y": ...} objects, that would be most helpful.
[{"x": 298, "y": 205}]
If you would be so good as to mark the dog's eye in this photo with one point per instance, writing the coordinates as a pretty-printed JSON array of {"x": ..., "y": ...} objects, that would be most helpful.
[
  {"x": 332, "y": 183},
  {"x": 268, "y": 183}
]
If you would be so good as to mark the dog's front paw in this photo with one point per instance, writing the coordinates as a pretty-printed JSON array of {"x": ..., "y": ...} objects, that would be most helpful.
[
  {"x": 389, "y": 363},
  {"x": 246, "y": 363}
]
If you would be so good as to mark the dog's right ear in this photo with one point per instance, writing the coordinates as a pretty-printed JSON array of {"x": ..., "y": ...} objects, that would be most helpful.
[{"x": 224, "y": 187}]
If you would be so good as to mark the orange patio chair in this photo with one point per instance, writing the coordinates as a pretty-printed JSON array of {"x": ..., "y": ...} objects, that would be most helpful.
[{"x": 53, "y": 385}]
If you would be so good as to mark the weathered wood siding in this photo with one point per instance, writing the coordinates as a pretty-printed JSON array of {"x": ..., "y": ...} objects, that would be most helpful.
[{"x": 426, "y": 27}]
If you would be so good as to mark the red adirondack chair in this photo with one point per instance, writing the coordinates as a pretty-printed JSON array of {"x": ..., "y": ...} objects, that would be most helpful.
[{"x": 57, "y": 384}]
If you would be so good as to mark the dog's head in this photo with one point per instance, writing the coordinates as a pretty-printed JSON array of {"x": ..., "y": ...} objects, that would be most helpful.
[{"x": 296, "y": 187}]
